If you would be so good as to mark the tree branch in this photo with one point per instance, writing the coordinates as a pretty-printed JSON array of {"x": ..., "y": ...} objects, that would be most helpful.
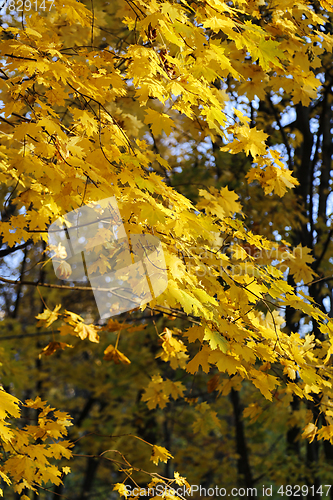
[{"x": 10, "y": 250}]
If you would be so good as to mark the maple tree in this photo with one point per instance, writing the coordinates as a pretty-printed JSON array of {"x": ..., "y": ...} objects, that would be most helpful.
[{"x": 144, "y": 102}]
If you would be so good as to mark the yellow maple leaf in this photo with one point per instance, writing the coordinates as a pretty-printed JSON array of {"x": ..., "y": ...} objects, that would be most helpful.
[
  {"x": 304, "y": 94},
  {"x": 213, "y": 115},
  {"x": 267, "y": 51},
  {"x": 310, "y": 431},
  {"x": 215, "y": 340},
  {"x": 265, "y": 383},
  {"x": 85, "y": 331},
  {"x": 181, "y": 480},
  {"x": 158, "y": 391},
  {"x": 326, "y": 432},
  {"x": 173, "y": 350},
  {"x": 194, "y": 333},
  {"x": 87, "y": 122},
  {"x": 253, "y": 411},
  {"x": 112, "y": 354},
  {"x": 160, "y": 453},
  {"x": 250, "y": 140},
  {"x": 200, "y": 359},
  {"x": 175, "y": 265},
  {"x": 290, "y": 371},
  {"x": 121, "y": 488},
  {"x": 35, "y": 403},
  {"x": 299, "y": 264},
  {"x": 154, "y": 394},
  {"x": 277, "y": 179},
  {"x": 174, "y": 389},
  {"x": 229, "y": 201},
  {"x": 158, "y": 122},
  {"x": 52, "y": 347},
  {"x": 224, "y": 362},
  {"x": 9, "y": 405},
  {"x": 49, "y": 316},
  {"x": 206, "y": 419},
  {"x": 170, "y": 345}
]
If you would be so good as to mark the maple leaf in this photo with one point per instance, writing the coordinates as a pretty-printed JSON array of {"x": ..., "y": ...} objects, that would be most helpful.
[
  {"x": 158, "y": 391},
  {"x": 35, "y": 403},
  {"x": 215, "y": 117},
  {"x": 200, "y": 359},
  {"x": 229, "y": 201},
  {"x": 174, "y": 389},
  {"x": 278, "y": 180},
  {"x": 175, "y": 266},
  {"x": 290, "y": 371},
  {"x": 222, "y": 203},
  {"x": 6, "y": 479},
  {"x": 160, "y": 454},
  {"x": 49, "y": 316},
  {"x": 224, "y": 362},
  {"x": 9, "y": 407},
  {"x": 206, "y": 419},
  {"x": 310, "y": 432},
  {"x": 325, "y": 432},
  {"x": 253, "y": 411},
  {"x": 158, "y": 122},
  {"x": 195, "y": 333},
  {"x": 215, "y": 340},
  {"x": 304, "y": 94},
  {"x": 268, "y": 52},
  {"x": 121, "y": 488},
  {"x": 171, "y": 346},
  {"x": 87, "y": 331},
  {"x": 181, "y": 480},
  {"x": 87, "y": 122},
  {"x": 52, "y": 347},
  {"x": 265, "y": 383},
  {"x": 250, "y": 140},
  {"x": 154, "y": 394},
  {"x": 113, "y": 354},
  {"x": 298, "y": 264}
]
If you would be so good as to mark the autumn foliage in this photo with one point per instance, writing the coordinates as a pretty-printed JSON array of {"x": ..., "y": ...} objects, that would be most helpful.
[{"x": 125, "y": 99}]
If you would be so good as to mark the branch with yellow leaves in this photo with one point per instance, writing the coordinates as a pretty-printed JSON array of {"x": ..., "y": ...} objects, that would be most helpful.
[{"x": 170, "y": 311}]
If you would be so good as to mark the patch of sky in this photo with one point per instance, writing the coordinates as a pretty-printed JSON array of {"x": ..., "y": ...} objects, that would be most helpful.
[
  {"x": 327, "y": 304},
  {"x": 305, "y": 327},
  {"x": 13, "y": 261}
]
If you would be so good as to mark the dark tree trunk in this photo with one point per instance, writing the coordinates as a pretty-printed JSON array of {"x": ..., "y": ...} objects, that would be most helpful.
[{"x": 243, "y": 464}]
